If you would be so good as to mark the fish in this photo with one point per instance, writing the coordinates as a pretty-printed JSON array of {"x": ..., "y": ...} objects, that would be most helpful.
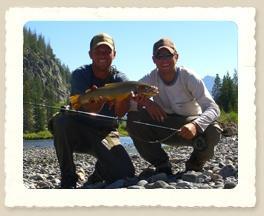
[{"x": 114, "y": 91}]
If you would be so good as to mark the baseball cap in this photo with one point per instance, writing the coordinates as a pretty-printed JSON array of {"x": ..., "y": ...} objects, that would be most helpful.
[
  {"x": 164, "y": 43},
  {"x": 100, "y": 39}
]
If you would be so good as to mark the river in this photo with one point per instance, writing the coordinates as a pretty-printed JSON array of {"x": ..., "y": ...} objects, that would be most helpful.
[{"x": 48, "y": 143}]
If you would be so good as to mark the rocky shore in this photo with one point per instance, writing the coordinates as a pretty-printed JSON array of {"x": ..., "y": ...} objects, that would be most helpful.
[{"x": 41, "y": 170}]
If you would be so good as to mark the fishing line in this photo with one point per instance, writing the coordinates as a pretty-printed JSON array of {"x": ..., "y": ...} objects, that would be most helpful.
[{"x": 198, "y": 142}]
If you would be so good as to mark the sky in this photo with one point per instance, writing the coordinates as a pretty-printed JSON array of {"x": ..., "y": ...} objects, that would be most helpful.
[{"x": 207, "y": 47}]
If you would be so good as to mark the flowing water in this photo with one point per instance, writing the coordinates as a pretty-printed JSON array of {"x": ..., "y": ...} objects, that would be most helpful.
[{"x": 48, "y": 143}]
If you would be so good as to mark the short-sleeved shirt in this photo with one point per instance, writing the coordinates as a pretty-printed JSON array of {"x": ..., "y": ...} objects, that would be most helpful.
[{"x": 83, "y": 78}]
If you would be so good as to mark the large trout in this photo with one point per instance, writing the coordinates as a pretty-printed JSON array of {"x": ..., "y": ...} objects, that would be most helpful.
[{"x": 114, "y": 91}]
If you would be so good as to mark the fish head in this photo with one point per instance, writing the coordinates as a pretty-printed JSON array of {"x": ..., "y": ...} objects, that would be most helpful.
[{"x": 147, "y": 90}]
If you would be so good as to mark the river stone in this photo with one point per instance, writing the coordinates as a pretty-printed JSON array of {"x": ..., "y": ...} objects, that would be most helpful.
[
  {"x": 228, "y": 170},
  {"x": 136, "y": 187},
  {"x": 80, "y": 173},
  {"x": 170, "y": 187},
  {"x": 204, "y": 186},
  {"x": 218, "y": 186},
  {"x": 38, "y": 177},
  {"x": 55, "y": 181},
  {"x": 229, "y": 185},
  {"x": 159, "y": 176},
  {"x": 192, "y": 177},
  {"x": 142, "y": 182},
  {"x": 183, "y": 185},
  {"x": 149, "y": 186},
  {"x": 157, "y": 184},
  {"x": 161, "y": 184},
  {"x": 44, "y": 185},
  {"x": 173, "y": 184},
  {"x": 216, "y": 177}
]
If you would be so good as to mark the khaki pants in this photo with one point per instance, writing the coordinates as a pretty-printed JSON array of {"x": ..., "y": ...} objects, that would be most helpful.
[{"x": 153, "y": 152}]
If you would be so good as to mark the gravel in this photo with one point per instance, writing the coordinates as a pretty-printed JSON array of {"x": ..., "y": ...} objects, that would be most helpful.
[{"x": 41, "y": 170}]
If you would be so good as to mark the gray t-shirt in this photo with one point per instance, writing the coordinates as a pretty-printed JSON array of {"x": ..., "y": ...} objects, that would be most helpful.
[{"x": 186, "y": 96}]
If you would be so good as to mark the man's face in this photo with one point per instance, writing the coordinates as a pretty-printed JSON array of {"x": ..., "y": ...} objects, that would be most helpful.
[
  {"x": 165, "y": 61},
  {"x": 102, "y": 57}
]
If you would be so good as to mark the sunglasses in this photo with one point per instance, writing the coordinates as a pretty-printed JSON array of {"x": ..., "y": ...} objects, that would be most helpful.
[{"x": 164, "y": 56}]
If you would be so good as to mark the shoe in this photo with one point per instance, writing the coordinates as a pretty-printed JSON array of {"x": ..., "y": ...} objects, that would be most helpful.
[
  {"x": 194, "y": 164},
  {"x": 94, "y": 178},
  {"x": 68, "y": 185},
  {"x": 147, "y": 173},
  {"x": 69, "y": 182},
  {"x": 164, "y": 168}
]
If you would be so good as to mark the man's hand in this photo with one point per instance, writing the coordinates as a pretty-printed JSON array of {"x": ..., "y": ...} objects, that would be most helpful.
[
  {"x": 153, "y": 109},
  {"x": 188, "y": 131}
]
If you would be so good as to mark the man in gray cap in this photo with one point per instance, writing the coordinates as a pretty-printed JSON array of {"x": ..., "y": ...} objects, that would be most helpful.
[
  {"x": 97, "y": 137},
  {"x": 183, "y": 103}
]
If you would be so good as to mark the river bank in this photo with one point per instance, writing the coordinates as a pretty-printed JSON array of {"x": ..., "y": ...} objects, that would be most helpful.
[
  {"x": 41, "y": 170},
  {"x": 47, "y": 135}
]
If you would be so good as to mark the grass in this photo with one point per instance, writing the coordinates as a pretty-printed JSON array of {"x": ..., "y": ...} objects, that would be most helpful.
[
  {"x": 231, "y": 117},
  {"x": 47, "y": 135},
  {"x": 122, "y": 129},
  {"x": 37, "y": 135}
]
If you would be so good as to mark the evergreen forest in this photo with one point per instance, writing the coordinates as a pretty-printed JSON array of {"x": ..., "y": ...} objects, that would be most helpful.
[
  {"x": 45, "y": 81},
  {"x": 225, "y": 92}
]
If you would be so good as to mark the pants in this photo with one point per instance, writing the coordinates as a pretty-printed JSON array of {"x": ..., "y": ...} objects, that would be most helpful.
[
  {"x": 75, "y": 133},
  {"x": 153, "y": 152}
]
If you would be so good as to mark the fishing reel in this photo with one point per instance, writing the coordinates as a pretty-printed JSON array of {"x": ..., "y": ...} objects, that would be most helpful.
[{"x": 199, "y": 143}]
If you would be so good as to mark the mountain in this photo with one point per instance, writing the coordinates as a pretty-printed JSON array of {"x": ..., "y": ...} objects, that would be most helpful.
[
  {"x": 209, "y": 82},
  {"x": 45, "y": 81}
]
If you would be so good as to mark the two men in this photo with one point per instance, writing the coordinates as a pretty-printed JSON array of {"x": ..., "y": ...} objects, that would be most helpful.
[{"x": 183, "y": 103}]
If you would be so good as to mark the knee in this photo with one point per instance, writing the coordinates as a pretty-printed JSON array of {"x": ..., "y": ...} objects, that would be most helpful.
[
  {"x": 60, "y": 123},
  {"x": 213, "y": 134},
  {"x": 141, "y": 116}
]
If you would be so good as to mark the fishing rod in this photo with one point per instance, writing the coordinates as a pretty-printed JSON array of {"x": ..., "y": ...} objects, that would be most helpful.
[
  {"x": 198, "y": 142},
  {"x": 67, "y": 108}
]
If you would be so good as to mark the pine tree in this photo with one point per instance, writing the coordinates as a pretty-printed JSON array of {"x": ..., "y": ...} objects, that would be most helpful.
[
  {"x": 28, "y": 115},
  {"x": 227, "y": 94},
  {"x": 235, "y": 91},
  {"x": 216, "y": 90}
]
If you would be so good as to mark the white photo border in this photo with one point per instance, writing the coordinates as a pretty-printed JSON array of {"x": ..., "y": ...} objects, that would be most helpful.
[{"x": 243, "y": 195}]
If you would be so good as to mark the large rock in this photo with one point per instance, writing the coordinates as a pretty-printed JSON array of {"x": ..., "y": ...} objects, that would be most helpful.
[{"x": 228, "y": 170}]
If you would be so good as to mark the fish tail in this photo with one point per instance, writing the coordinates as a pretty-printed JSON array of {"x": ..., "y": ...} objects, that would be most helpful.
[{"x": 75, "y": 101}]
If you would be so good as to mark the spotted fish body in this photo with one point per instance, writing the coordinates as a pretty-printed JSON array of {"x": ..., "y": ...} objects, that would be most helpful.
[{"x": 114, "y": 91}]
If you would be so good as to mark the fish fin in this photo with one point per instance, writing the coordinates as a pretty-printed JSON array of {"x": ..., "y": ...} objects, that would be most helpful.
[{"x": 75, "y": 101}]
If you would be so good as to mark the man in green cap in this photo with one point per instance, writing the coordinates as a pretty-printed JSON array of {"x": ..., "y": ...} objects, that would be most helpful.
[
  {"x": 183, "y": 103},
  {"x": 97, "y": 137}
]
